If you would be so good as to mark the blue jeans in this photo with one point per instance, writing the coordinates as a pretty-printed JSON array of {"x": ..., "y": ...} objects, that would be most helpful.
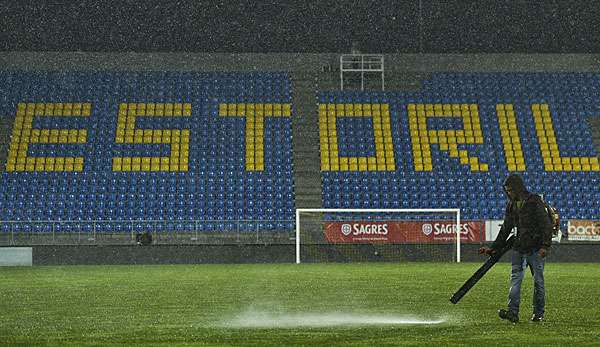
[{"x": 519, "y": 265}]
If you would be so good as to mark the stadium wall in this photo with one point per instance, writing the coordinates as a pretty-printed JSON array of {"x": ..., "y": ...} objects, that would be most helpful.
[{"x": 249, "y": 254}]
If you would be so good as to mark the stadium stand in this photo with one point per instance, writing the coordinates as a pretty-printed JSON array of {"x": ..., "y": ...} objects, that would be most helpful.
[
  {"x": 195, "y": 151},
  {"x": 453, "y": 143},
  {"x": 213, "y": 151}
]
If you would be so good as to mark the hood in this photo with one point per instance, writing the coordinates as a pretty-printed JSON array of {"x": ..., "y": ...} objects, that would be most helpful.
[{"x": 515, "y": 182}]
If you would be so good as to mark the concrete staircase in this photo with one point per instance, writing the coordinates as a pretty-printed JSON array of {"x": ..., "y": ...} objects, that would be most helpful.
[
  {"x": 305, "y": 132},
  {"x": 305, "y": 128}
]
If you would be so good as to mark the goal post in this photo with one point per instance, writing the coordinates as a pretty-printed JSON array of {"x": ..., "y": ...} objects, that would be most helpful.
[{"x": 378, "y": 231}]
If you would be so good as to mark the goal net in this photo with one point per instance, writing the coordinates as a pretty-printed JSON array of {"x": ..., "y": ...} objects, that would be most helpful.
[{"x": 366, "y": 235}]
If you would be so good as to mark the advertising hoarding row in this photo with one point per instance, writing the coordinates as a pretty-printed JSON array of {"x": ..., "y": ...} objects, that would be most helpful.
[
  {"x": 439, "y": 231},
  {"x": 403, "y": 232}
]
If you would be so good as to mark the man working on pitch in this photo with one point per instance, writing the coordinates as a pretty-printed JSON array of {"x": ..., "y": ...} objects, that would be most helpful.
[{"x": 527, "y": 213}]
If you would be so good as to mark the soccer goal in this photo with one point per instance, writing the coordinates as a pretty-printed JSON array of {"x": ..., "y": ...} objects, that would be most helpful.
[{"x": 363, "y": 235}]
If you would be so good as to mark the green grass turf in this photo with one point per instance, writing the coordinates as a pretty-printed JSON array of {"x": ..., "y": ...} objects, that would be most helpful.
[{"x": 185, "y": 305}]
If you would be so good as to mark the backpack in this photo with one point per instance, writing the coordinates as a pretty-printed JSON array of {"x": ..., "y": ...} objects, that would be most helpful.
[{"x": 554, "y": 218}]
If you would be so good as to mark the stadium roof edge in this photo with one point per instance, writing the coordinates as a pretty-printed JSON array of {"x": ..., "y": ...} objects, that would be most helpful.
[{"x": 293, "y": 62}]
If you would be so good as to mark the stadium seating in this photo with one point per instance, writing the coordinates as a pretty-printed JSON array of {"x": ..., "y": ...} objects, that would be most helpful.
[
  {"x": 452, "y": 143},
  {"x": 213, "y": 151},
  {"x": 194, "y": 151}
]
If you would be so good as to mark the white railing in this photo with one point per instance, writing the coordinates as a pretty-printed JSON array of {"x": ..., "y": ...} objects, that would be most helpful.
[
  {"x": 362, "y": 63},
  {"x": 163, "y": 231}
]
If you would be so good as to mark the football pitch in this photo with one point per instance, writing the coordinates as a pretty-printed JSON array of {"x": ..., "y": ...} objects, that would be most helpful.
[{"x": 364, "y": 304}]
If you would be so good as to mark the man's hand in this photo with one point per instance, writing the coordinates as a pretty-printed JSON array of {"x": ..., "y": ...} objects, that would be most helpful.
[
  {"x": 543, "y": 252},
  {"x": 486, "y": 250}
]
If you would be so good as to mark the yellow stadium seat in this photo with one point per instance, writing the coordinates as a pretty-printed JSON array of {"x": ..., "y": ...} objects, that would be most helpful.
[
  {"x": 372, "y": 163},
  {"x": 575, "y": 161},
  {"x": 117, "y": 164},
  {"x": 135, "y": 165},
  {"x": 128, "y": 167},
  {"x": 187, "y": 109}
]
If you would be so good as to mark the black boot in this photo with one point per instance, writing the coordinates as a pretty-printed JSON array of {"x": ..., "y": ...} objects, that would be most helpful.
[
  {"x": 537, "y": 317},
  {"x": 508, "y": 315}
]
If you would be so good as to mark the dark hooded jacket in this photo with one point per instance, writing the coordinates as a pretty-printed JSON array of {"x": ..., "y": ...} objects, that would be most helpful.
[{"x": 534, "y": 229}]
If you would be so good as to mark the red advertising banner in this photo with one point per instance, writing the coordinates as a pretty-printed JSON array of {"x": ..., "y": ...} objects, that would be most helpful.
[{"x": 403, "y": 232}]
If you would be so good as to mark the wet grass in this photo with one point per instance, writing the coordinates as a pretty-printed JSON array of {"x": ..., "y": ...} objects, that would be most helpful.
[{"x": 185, "y": 305}]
